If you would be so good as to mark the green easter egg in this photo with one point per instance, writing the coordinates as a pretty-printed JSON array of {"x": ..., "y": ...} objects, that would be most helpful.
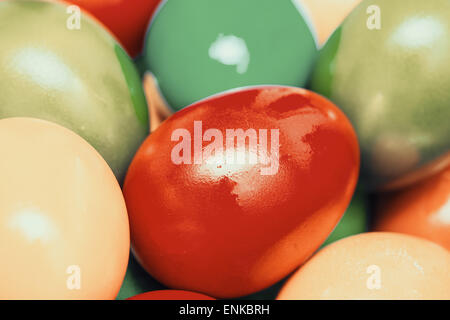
[
  {"x": 64, "y": 67},
  {"x": 388, "y": 68},
  {"x": 201, "y": 47}
]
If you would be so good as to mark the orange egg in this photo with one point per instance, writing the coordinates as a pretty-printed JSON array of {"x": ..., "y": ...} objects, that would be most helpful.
[
  {"x": 422, "y": 210},
  {"x": 326, "y": 15},
  {"x": 63, "y": 222},
  {"x": 377, "y": 265}
]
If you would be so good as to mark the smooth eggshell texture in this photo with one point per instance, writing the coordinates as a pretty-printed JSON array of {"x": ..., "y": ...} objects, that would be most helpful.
[
  {"x": 199, "y": 48},
  {"x": 62, "y": 215},
  {"x": 225, "y": 229},
  {"x": 373, "y": 266}
]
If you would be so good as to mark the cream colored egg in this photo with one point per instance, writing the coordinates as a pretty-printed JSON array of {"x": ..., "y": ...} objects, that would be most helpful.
[
  {"x": 376, "y": 265},
  {"x": 326, "y": 15}
]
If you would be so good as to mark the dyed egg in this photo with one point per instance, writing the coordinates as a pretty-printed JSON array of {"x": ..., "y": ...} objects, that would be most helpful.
[
  {"x": 387, "y": 68},
  {"x": 171, "y": 295},
  {"x": 254, "y": 181},
  {"x": 64, "y": 230},
  {"x": 380, "y": 266},
  {"x": 354, "y": 221},
  {"x": 79, "y": 78},
  {"x": 127, "y": 19},
  {"x": 196, "y": 49},
  {"x": 421, "y": 210},
  {"x": 326, "y": 15}
]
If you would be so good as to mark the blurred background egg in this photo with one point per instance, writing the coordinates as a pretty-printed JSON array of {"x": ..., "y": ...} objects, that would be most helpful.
[
  {"x": 387, "y": 68},
  {"x": 81, "y": 78},
  {"x": 422, "y": 210},
  {"x": 326, "y": 15},
  {"x": 157, "y": 106},
  {"x": 199, "y": 48},
  {"x": 377, "y": 265}
]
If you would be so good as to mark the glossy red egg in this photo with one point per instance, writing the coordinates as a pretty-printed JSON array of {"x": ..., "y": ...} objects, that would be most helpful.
[
  {"x": 170, "y": 295},
  {"x": 229, "y": 212}
]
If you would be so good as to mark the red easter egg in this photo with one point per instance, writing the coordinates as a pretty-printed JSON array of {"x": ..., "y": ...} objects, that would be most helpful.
[{"x": 231, "y": 194}]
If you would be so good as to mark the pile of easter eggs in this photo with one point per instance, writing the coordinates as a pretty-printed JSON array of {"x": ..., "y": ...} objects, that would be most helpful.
[{"x": 262, "y": 149}]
